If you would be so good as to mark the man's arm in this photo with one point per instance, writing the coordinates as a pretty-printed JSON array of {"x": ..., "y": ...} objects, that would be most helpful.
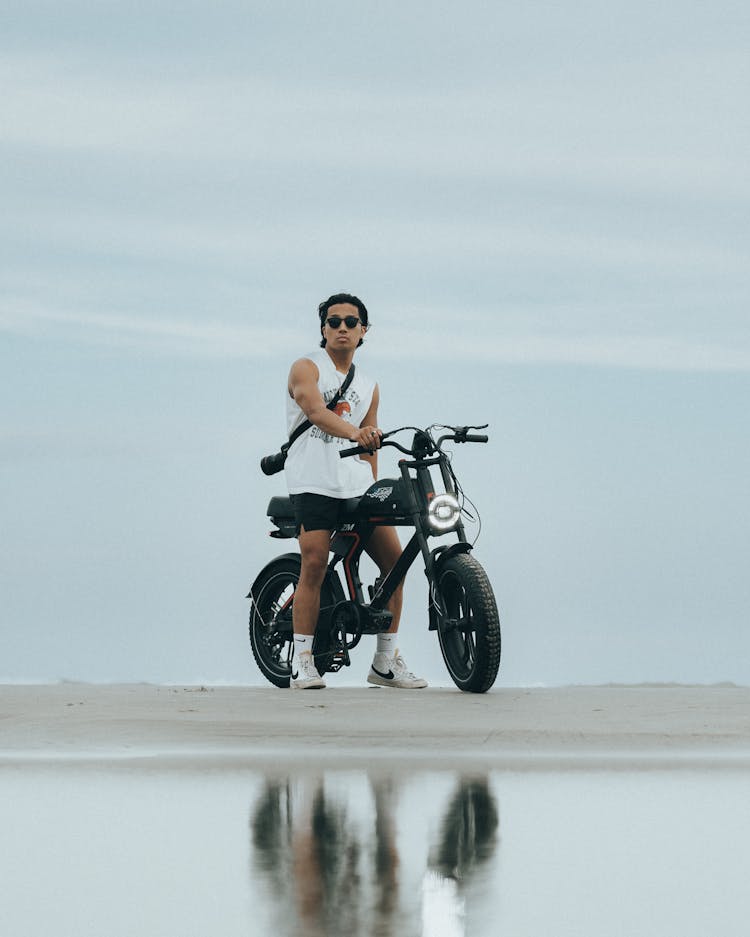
[
  {"x": 303, "y": 387},
  {"x": 370, "y": 420}
]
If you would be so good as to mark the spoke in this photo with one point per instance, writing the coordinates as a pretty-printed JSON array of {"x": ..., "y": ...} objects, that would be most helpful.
[
  {"x": 458, "y": 626},
  {"x": 465, "y": 648},
  {"x": 470, "y": 648},
  {"x": 274, "y": 601}
]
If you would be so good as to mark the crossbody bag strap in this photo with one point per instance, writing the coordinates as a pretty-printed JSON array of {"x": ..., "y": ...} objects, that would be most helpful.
[{"x": 306, "y": 424}]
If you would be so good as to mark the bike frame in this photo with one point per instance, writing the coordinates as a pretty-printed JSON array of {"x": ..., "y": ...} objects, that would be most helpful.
[{"x": 349, "y": 542}]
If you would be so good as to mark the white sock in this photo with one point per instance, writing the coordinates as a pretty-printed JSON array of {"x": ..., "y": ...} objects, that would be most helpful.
[
  {"x": 387, "y": 642},
  {"x": 302, "y": 642}
]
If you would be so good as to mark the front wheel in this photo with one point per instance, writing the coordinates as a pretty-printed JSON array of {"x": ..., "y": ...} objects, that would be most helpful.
[{"x": 468, "y": 623}]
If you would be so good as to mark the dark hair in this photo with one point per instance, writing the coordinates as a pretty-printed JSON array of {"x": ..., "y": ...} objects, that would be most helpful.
[{"x": 334, "y": 301}]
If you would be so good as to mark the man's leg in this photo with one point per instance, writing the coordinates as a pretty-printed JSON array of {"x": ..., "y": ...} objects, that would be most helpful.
[
  {"x": 388, "y": 666},
  {"x": 313, "y": 546}
]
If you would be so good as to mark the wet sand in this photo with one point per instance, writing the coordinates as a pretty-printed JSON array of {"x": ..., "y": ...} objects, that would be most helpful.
[
  {"x": 158, "y": 810},
  {"x": 637, "y": 726}
]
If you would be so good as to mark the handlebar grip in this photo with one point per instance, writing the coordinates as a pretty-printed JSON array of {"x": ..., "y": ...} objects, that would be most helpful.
[
  {"x": 476, "y": 438},
  {"x": 355, "y": 450}
]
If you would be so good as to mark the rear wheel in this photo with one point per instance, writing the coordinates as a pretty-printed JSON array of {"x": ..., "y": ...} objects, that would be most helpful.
[
  {"x": 271, "y": 631},
  {"x": 271, "y": 619},
  {"x": 468, "y": 623}
]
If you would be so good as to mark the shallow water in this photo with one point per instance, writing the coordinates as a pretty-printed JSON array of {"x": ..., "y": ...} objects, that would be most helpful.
[{"x": 434, "y": 854}]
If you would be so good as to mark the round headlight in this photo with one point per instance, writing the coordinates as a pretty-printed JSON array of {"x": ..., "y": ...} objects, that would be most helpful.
[{"x": 443, "y": 512}]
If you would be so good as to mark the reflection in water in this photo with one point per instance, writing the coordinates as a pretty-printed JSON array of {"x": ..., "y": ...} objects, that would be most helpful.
[
  {"x": 329, "y": 848},
  {"x": 584, "y": 853},
  {"x": 467, "y": 841}
]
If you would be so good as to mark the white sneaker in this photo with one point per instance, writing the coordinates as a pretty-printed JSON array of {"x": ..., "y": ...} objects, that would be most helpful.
[
  {"x": 392, "y": 671},
  {"x": 305, "y": 674}
]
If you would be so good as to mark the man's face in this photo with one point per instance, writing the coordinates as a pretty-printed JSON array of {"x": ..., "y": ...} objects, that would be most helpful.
[{"x": 341, "y": 336}]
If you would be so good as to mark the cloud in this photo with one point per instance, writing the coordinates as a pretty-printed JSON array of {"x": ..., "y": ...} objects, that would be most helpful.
[
  {"x": 493, "y": 336},
  {"x": 644, "y": 352},
  {"x": 675, "y": 128},
  {"x": 378, "y": 237},
  {"x": 157, "y": 333},
  {"x": 142, "y": 199}
]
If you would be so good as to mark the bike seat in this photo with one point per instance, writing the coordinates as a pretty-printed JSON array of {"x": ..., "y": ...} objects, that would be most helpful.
[{"x": 280, "y": 506}]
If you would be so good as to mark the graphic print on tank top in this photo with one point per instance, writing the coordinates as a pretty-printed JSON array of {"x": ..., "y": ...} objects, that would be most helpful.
[
  {"x": 344, "y": 408},
  {"x": 313, "y": 464}
]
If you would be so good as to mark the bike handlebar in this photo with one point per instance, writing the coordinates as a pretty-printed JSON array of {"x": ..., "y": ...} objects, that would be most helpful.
[
  {"x": 355, "y": 450},
  {"x": 459, "y": 435}
]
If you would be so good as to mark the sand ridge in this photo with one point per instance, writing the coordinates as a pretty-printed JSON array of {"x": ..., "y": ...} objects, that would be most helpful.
[{"x": 644, "y": 725}]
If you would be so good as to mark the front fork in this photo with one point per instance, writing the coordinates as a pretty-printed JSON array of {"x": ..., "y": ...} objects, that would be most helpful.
[{"x": 439, "y": 556}]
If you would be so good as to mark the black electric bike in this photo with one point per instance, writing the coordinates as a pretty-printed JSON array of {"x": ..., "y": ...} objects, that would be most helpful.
[{"x": 462, "y": 608}]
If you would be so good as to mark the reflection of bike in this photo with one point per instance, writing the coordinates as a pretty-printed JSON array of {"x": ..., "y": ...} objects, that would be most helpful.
[
  {"x": 459, "y": 860},
  {"x": 468, "y": 836},
  {"x": 462, "y": 605}
]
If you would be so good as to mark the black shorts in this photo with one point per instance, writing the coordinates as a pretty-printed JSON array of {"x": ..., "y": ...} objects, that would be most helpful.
[{"x": 317, "y": 512}]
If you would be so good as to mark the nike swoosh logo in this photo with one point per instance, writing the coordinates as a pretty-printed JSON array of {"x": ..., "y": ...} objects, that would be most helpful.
[
  {"x": 386, "y": 676},
  {"x": 294, "y": 676}
]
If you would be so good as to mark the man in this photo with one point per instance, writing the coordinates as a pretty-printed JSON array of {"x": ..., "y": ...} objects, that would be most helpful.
[{"x": 319, "y": 482}]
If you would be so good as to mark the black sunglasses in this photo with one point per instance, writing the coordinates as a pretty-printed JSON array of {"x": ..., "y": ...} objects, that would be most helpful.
[{"x": 351, "y": 322}]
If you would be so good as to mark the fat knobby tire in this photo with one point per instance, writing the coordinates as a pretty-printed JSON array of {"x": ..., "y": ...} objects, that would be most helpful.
[
  {"x": 283, "y": 570},
  {"x": 463, "y": 572},
  {"x": 269, "y": 649}
]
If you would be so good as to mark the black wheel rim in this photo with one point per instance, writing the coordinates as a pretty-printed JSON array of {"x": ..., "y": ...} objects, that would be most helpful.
[
  {"x": 457, "y": 628},
  {"x": 275, "y": 599}
]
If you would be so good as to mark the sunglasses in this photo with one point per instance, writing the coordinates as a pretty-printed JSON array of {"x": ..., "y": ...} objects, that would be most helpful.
[{"x": 351, "y": 322}]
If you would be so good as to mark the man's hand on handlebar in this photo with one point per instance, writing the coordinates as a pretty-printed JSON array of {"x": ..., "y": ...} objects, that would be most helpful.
[{"x": 368, "y": 437}]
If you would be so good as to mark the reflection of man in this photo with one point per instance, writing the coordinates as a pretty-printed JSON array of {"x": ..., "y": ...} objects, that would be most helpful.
[{"x": 333, "y": 879}]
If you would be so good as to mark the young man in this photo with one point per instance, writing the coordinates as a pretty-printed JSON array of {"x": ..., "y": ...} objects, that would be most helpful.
[{"x": 319, "y": 482}]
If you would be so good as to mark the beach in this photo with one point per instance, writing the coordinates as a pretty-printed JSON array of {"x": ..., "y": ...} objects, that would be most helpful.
[
  {"x": 187, "y": 810},
  {"x": 246, "y": 725}
]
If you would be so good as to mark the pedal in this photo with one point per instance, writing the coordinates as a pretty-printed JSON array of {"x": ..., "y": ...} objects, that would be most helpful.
[
  {"x": 374, "y": 621},
  {"x": 339, "y": 659},
  {"x": 331, "y": 653}
]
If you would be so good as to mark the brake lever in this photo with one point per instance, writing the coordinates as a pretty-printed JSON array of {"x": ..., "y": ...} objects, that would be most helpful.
[{"x": 463, "y": 430}]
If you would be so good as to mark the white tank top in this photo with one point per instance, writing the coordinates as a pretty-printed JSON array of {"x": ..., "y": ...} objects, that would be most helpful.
[{"x": 313, "y": 464}]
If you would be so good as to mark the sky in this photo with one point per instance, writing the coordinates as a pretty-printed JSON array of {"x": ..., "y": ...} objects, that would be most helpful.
[{"x": 544, "y": 207}]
